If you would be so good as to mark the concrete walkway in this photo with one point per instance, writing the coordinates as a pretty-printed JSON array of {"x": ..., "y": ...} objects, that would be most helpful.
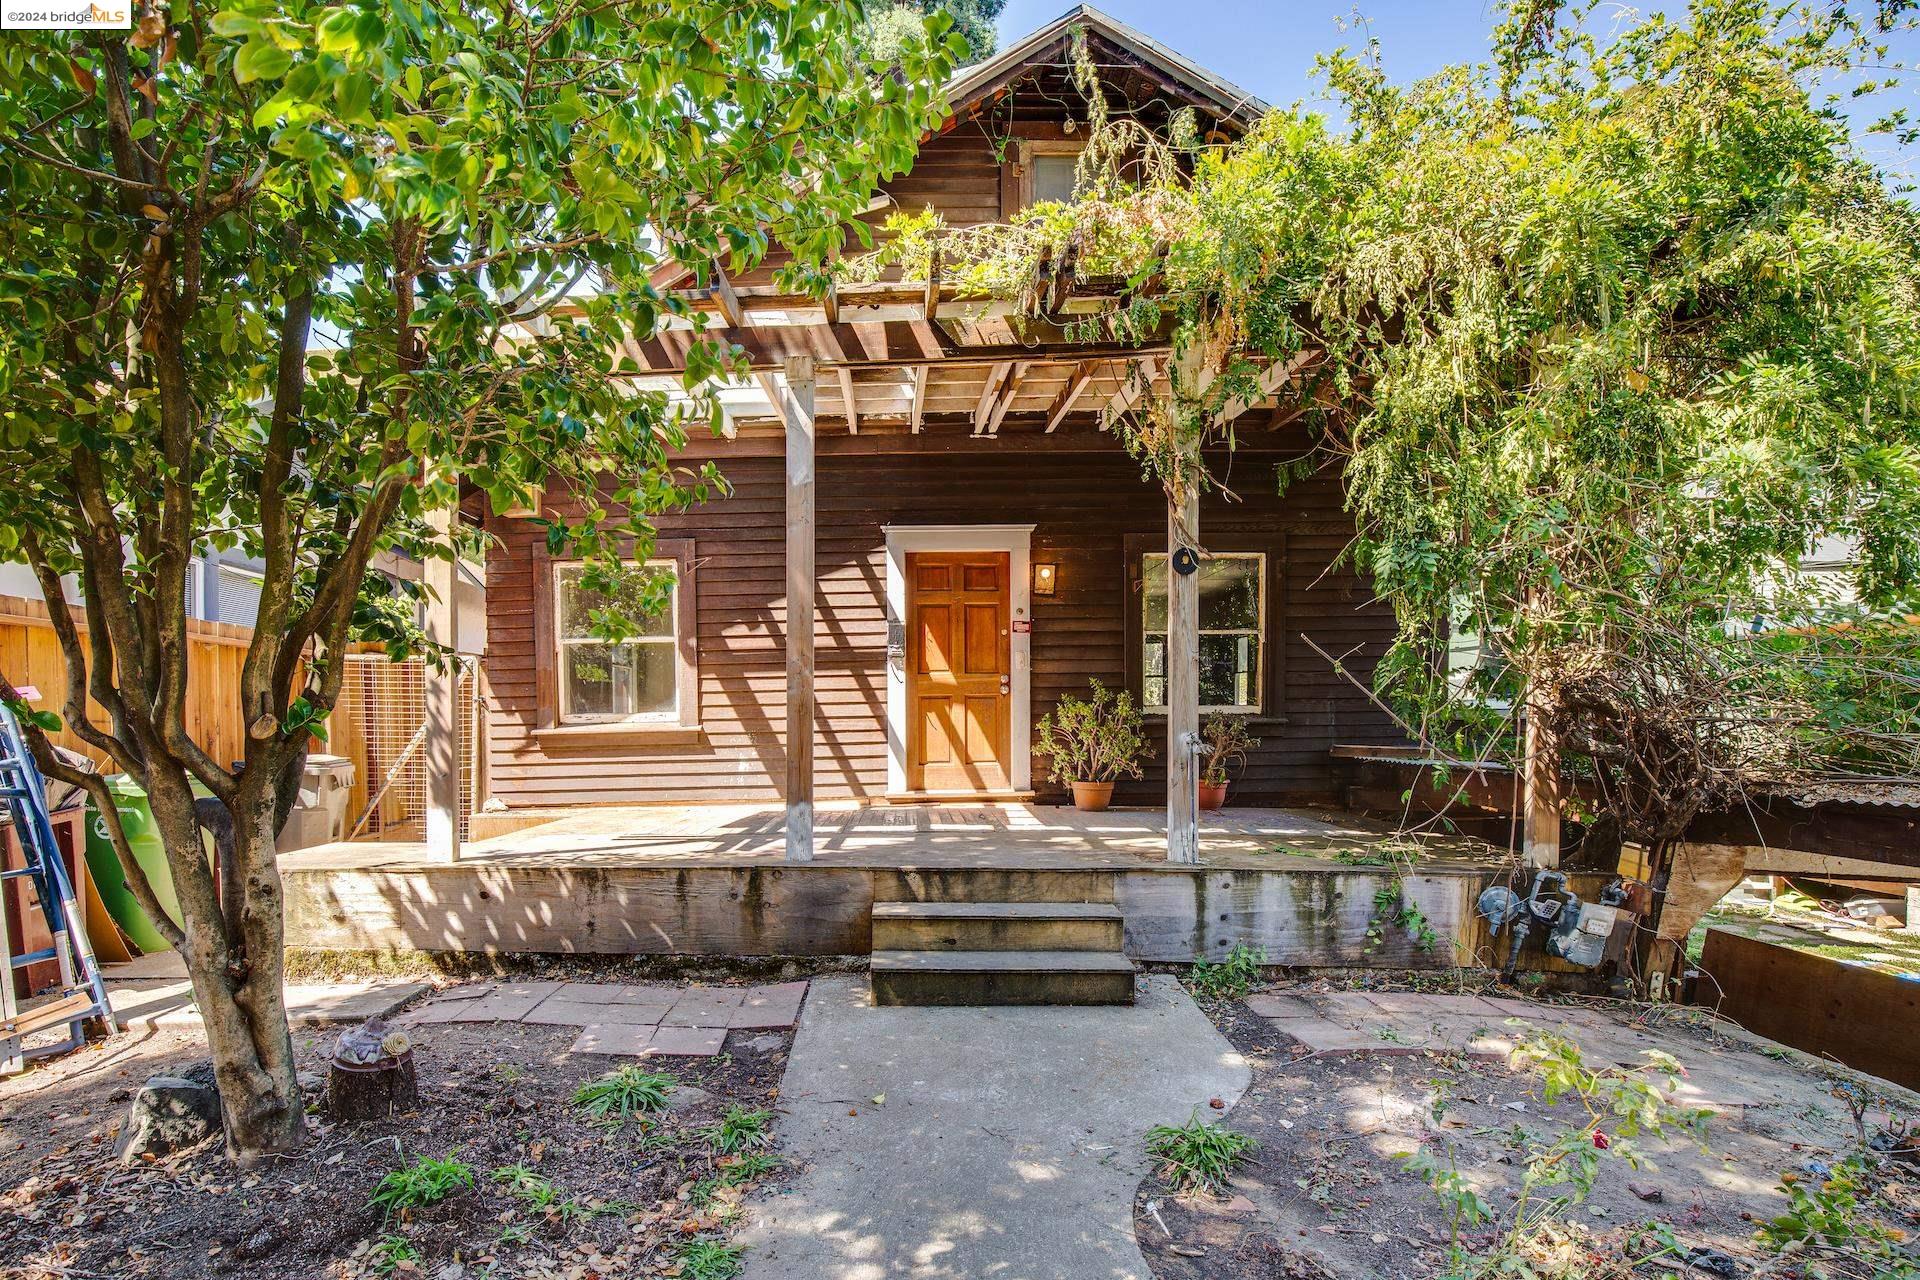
[{"x": 1008, "y": 1144}]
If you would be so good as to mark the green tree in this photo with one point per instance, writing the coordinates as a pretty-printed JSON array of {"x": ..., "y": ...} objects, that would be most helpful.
[
  {"x": 890, "y": 29},
  {"x": 291, "y": 276}
]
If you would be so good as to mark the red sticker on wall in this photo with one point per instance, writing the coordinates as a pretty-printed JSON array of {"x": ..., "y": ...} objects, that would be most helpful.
[{"x": 1022, "y": 625}]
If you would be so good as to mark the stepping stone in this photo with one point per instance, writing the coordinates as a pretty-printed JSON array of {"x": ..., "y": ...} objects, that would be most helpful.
[
  {"x": 1413, "y": 1002},
  {"x": 507, "y": 1003},
  {"x": 561, "y": 1012},
  {"x": 321, "y": 1004},
  {"x": 646, "y": 1042},
  {"x": 768, "y": 1008},
  {"x": 1282, "y": 1007},
  {"x": 689, "y": 1042},
  {"x": 708, "y": 1007},
  {"x": 619, "y": 993},
  {"x": 1322, "y": 1036}
]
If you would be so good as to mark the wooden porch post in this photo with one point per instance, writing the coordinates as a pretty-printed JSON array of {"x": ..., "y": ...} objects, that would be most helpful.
[
  {"x": 797, "y": 409},
  {"x": 1183, "y": 678},
  {"x": 1540, "y": 832},
  {"x": 440, "y": 691}
]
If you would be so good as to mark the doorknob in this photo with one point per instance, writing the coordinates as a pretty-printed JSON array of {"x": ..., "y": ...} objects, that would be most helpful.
[{"x": 1004, "y": 687}]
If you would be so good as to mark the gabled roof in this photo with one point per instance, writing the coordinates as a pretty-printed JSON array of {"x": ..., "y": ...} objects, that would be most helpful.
[{"x": 973, "y": 83}]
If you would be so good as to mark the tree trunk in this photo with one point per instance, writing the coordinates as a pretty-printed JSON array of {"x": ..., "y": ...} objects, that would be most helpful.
[{"x": 237, "y": 967}]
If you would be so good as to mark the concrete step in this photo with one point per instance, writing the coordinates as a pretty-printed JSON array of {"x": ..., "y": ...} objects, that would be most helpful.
[
  {"x": 996, "y": 926},
  {"x": 991, "y": 884},
  {"x": 1001, "y": 977}
]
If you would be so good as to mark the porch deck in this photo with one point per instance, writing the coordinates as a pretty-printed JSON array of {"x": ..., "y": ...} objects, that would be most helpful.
[
  {"x": 713, "y": 880},
  {"x": 1003, "y": 835}
]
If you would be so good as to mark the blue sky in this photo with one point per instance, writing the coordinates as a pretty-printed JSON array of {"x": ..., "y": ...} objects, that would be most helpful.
[{"x": 1268, "y": 46}]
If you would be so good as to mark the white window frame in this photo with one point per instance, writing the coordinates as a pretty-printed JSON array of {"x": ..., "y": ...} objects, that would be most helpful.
[
  {"x": 563, "y": 676},
  {"x": 1258, "y": 631}
]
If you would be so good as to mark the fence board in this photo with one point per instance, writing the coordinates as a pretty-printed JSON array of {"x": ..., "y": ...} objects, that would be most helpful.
[{"x": 30, "y": 655}]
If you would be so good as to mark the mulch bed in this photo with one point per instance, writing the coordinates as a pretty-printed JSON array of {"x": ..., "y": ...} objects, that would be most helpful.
[{"x": 492, "y": 1095}]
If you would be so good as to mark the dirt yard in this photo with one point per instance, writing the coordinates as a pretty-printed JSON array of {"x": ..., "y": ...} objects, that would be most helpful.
[
  {"x": 1326, "y": 1193},
  {"x": 585, "y": 1199}
]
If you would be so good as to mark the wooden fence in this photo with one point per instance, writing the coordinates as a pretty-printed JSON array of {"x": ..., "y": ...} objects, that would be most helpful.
[
  {"x": 30, "y": 655},
  {"x": 381, "y": 707}
]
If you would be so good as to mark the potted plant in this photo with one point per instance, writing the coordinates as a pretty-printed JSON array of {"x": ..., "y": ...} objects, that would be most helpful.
[
  {"x": 1091, "y": 742},
  {"x": 1227, "y": 742}
]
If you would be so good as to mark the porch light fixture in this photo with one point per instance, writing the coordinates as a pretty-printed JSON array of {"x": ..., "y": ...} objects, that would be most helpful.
[{"x": 1044, "y": 576}]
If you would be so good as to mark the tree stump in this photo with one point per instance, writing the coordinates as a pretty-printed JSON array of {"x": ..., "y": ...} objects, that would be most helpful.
[{"x": 372, "y": 1091}]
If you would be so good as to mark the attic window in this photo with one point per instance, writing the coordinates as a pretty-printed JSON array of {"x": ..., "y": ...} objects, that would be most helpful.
[
  {"x": 1048, "y": 169},
  {"x": 1054, "y": 178}
]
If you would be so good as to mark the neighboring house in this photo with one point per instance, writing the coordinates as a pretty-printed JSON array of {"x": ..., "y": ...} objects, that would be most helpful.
[
  {"x": 222, "y": 586},
  {"x": 981, "y": 547}
]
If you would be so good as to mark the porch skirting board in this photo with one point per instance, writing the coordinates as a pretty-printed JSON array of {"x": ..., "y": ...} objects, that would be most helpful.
[{"x": 1300, "y": 916}]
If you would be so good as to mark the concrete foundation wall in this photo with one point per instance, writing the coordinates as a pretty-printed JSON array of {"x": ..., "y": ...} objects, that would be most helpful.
[
  {"x": 1304, "y": 918},
  {"x": 1300, "y": 917}
]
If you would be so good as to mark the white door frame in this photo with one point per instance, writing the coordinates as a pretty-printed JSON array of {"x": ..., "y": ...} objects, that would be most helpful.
[{"x": 1017, "y": 541}]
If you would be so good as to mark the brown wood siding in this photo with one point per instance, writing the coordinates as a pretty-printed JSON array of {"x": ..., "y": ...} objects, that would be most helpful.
[{"x": 1085, "y": 507}]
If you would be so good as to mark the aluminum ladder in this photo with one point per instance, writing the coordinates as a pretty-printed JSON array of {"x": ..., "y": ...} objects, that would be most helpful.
[{"x": 82, "y": 998}]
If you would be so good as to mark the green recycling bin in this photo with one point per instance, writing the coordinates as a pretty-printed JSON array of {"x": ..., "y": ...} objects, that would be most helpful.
[{"x": 144, "y": 838}]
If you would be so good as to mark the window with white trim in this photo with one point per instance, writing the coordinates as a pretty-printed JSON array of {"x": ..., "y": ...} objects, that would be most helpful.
[
  {"x": 635, "y": 679},
  {"x": 1233, "y": 614}
]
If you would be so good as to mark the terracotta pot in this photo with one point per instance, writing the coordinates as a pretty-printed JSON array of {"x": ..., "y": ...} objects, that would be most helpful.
[
  {"x": 1092, "y": 796},
  {"x": 1212, "y": 796}
]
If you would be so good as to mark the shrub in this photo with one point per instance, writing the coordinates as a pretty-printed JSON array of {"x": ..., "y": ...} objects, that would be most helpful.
[
  {"x": 1096, "y": 739},
  {"x": 1227, "y": 742}
]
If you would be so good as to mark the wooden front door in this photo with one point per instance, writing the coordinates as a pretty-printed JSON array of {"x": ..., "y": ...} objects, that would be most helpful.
[{"x": 958, "y": 671}]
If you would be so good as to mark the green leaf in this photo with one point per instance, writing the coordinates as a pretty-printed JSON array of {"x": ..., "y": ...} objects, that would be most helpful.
[{"x": 260, "y": 59}]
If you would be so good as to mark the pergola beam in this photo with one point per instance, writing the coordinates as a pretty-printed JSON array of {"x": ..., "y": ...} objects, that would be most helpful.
[
  {"x": 1134, "y": 384},
  {"x": 898, "y": 346},
  {"x": 984, "y": 408},
  {"x": 1004, "y": 401},
  {"x": 930, "y": 299},
  {"x": 918, "y": 413},
  {"x": 1272, "y": 378},
  {"x": 1070, "y": 394},
  {"x": 847, "y": 398},
  {"x": 726, "y": 300}
]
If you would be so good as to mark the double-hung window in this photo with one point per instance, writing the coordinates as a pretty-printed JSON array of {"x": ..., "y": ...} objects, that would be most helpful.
[
  {"x": 636, "y": 679},
  {"x": 1233, "y": 613}
]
